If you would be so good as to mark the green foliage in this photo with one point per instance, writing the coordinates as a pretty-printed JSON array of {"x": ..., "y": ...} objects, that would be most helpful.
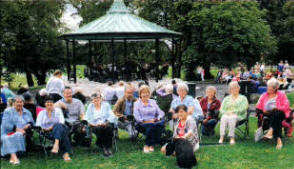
[
  {"x": 29, "y": 32},
  {"x": 279, "y": 15},
  {"x": 231, "y": 32}
]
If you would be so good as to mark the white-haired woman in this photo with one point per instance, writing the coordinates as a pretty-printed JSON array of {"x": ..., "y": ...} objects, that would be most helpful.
[
  {"x": 14, "y": 129},
  {"x": 275, "y": 106},
  {"x": 234, "y": 108},
  {"x": 193, "y": 105},
  {"x": 102, "y": 121}
]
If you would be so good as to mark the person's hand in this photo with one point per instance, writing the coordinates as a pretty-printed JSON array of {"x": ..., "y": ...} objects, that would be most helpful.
[
  {"x": 177, "y": 137},
  {"x": 205, "y": 121},
  {"x": 27, "y": 126},
  {"x": 22, "y": 131},
  {"x": 266, "y": 112},
  {"x": 175, "y": 116},
  {"x": 61, "y": 105},
  {"x": 149, "y": 121}
]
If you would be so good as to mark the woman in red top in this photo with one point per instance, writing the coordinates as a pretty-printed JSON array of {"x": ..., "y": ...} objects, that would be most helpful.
[{"x": 210, "y": 106}]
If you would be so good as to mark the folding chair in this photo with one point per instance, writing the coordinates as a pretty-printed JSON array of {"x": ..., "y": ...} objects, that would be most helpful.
[
  {"x": 114, "y": 139},
  {"x": 288, "y": 122},
  {"x": 264, "y": 121},
  {"x": 243, "y": 133},
  {"x": 200, "y": 125}
]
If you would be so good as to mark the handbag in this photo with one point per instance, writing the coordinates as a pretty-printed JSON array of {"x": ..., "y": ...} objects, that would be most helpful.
[{"x": 258, "y": 134}]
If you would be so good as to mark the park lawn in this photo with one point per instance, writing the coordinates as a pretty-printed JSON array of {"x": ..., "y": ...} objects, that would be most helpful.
[
  {"x": 291, "y": 99},
  {"x": 246, "y": 154}
]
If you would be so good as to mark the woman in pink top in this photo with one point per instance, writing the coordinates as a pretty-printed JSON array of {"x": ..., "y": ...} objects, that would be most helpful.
[{"x": 274, "y": 105}]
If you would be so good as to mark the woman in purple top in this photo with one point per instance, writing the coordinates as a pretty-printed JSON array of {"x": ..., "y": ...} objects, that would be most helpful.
[{"x": 148, "y": 117}]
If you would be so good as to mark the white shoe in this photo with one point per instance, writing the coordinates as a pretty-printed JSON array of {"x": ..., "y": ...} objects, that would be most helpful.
[
  {"x": 220, "y": 141},
  {"x": 146, "y": 149},
  {"x": 232, "y": 142}
]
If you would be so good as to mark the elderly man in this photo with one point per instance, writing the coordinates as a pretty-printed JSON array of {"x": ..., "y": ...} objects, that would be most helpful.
[
  {"x": 123, "y": 109},
  {"x": 74, "y": 114}
]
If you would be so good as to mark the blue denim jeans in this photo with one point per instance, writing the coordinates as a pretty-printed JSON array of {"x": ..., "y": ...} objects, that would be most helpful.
[
  {"x": 208, "y": 128},
  {"x": 152, "y": 131},
  {"x": 60, "y": 132}
]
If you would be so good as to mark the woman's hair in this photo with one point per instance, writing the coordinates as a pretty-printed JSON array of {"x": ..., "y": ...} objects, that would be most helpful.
[
  {"x": 144, "y": 88},
  {"x": 19, "y": 97},
  {"x": 181, "y": 107},
  {"x": 182, "y": 86},
  {"x": 57, "y": 72},
  {"x": 274, "y": 83},
  {"x": 234, "y": 83},
  {"x": 48, "y": 99},
  {"x": 121, "y": 83},
  {"x": 97, "y": 94},
  {"x": 211, "y": 88}
]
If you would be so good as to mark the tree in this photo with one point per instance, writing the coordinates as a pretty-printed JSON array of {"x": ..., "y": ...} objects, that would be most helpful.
[
  {"x": 231, "y": 32},
  {"x": 30, "y": 36}
]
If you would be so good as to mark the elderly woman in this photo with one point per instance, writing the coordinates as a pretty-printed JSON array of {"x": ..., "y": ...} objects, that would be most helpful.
[
  {"x": 15, "y": 125},
  {"x": 185, "y": 128},
  {"x": 210, "y": 106},
  {"x": 102, "y": 121},
  {"x": 148, "y": 117},
  {"x": 233, "y": 109},
  {"x": 193, "y": 105},
  {"x": 51, "y": 121},
  {"x": 274, "y": 105}
]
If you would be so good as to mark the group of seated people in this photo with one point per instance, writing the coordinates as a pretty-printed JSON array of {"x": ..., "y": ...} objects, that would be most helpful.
[{"x": 59, "y": 120}]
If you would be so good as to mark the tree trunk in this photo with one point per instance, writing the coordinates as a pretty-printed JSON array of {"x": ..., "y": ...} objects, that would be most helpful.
[
  {"x": 41, "y": 78},
  {"x": 29, "y": 78},
  {"x": 206, "y": 68}
]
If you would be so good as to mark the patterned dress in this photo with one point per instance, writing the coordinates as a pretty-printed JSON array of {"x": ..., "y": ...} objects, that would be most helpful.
[
  {"x": 189, "y": 126},
  {"x": 12, "y": 142}
]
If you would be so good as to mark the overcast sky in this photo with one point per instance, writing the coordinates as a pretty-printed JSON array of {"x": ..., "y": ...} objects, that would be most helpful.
[{"x": 71, "y": 21}]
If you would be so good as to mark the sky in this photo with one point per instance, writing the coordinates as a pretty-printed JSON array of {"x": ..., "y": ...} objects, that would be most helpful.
[{"x": 70, "y": 19}]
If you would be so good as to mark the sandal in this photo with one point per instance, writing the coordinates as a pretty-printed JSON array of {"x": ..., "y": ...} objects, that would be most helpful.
[{"x": 66, "y": 158}]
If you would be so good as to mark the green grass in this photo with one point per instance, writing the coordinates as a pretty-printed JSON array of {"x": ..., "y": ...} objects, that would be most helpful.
[
  {"x": 291, "y": 99},
  {"x": 246, "y": 154}
]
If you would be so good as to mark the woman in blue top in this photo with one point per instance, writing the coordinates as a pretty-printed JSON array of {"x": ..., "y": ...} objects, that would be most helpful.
[
  {"x": 51, "y": 120},
  {"x": 193, "y": 105},
  {"x": 16, "y": 122},
  {"x": 102, "y": 121}
]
